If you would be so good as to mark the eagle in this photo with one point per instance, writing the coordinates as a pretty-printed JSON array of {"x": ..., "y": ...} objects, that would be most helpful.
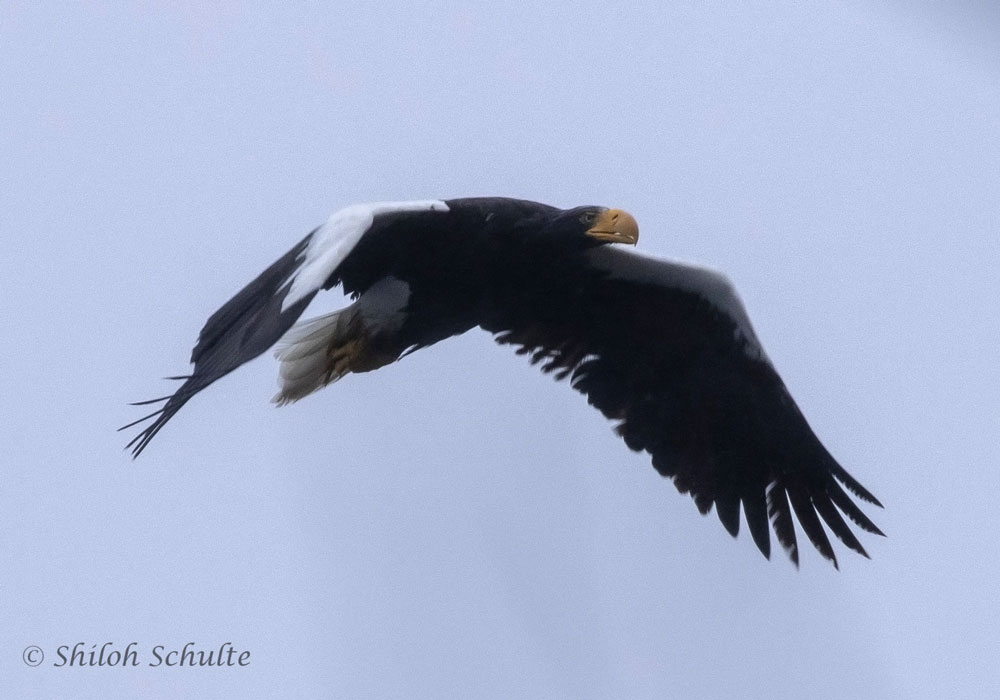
[{"x": 664, "y": 349}]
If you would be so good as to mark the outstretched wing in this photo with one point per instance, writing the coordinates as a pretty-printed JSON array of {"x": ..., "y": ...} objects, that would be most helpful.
[
  {"x": 260, "y": 314},
  {"x": 668, "y": 352},
  {"x": 243, "y": 328}
]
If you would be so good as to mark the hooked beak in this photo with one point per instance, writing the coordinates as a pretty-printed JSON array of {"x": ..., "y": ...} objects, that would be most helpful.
[{"x": 615, "y": 226}]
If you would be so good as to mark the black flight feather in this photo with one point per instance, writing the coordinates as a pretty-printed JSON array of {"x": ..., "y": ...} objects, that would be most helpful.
[{"x": 243, "y": 328}]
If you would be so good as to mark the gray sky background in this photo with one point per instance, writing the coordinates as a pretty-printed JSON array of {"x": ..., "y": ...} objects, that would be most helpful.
[{"x": 456, "y": 525}]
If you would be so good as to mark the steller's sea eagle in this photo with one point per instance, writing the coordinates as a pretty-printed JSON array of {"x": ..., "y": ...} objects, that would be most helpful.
[{"x": 665, "y": 350}]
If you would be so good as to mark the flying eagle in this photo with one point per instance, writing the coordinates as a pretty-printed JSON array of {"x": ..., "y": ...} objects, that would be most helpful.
[{"x": 665, "y": 350}]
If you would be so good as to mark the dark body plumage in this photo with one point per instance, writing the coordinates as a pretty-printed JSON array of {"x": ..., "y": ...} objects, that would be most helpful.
[{"x": 663, "y": 349}]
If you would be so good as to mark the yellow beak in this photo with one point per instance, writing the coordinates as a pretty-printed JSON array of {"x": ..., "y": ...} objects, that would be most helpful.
[{"x": 615, "y": 226}]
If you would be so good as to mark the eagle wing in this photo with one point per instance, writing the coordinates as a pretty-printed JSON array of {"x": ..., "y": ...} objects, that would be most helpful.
[
  {"x": 262, "y": 312},
  {"x": 667, "y": 351}
]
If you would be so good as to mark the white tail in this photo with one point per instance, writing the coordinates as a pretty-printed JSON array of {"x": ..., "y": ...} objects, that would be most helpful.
[
  {"x": 305, "y": 355},
  {"x": 359, "y": 338}
]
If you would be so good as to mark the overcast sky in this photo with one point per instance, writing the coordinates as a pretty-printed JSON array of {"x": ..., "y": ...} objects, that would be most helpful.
[{"x": 457, "y": 525}]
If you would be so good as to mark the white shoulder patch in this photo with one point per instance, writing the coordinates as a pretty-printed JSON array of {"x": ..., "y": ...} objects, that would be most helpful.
[{"x": 334, "y": 241}]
